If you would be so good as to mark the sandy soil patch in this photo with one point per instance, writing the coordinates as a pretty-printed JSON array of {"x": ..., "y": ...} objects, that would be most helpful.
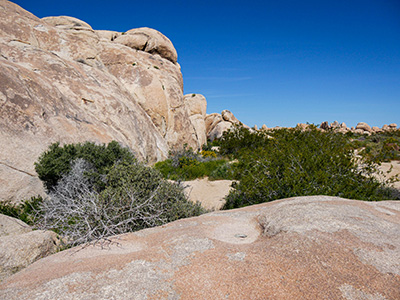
[
  {"x": 385, "y": 167},
  {"x": 209, "y": 193}
]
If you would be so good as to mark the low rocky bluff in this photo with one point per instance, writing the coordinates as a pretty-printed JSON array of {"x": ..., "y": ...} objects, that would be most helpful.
[
  {"x": 361, "y": 128},
  {"x": 62, "y": 81}
]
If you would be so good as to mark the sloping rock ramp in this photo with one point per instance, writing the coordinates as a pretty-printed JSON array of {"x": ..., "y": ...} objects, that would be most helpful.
[{"x": 299, "y": 248}]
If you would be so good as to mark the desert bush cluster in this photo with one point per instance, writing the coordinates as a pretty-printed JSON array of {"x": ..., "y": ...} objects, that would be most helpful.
[
  {"x": 98, "y": 191},
  {"x": 185, "y": 164},
  {"x": 378, "y": 147},
  {"x": 292, "y": 162},
  {"x": 282, "y": 163}
]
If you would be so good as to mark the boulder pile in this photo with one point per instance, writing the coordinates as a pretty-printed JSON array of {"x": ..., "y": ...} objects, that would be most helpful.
[
  {"x": 217, "y": 124},
  {"x": 361, "y": 128}
]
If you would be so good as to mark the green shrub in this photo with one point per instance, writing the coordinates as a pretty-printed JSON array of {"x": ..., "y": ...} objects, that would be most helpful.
[
  {"x": 56, "y": 162},
  {"x": 185, "y": 164},
  {"x": 134, "y": 197},
  {"x": 96, "y": 191},
  {"x": 300, "y": 163},
  {"x": 379, "y": 147},
  {"x": 208, "y": 154},
  {"x": 189, "y": 170},
  {"x": 223, "y": 171},
  {"x": 239, "y": 138},
  {"x": 27, "y": 211}
]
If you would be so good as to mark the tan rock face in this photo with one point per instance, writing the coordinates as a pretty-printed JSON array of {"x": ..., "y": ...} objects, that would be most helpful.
[
  {"x": 300, "y": 248},
  {"x": 107, "y": 34},
  {"x": 65, "y": 22},
  {"x": 61, "y": 81},
  {"x": 149, "y": 40},
  {"x": 217, "y": 124},
  {"x": 229, "y": 117},
  {"x": 219, "y": 130},
  {"x": 376, "y": 129},
  {"x": 196, "y": 106},
  {"x": 364, "y": 126},
  {"x": 12, "y": 226},
  {"x": 211, "y": 121}
]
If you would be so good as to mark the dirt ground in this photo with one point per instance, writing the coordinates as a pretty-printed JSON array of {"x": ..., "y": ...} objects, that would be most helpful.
[
  {"x": 209, "y": 193},
  {"x": 395, "y": 171}
]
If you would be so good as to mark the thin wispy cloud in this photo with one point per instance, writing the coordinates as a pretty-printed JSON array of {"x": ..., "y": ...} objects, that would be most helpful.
[
  {"x": 226, "y": 79},
  {"x": 229, "y": 95}
]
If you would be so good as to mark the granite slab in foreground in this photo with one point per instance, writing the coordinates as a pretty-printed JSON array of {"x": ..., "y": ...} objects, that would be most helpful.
[{"x": 315, "y": 247}]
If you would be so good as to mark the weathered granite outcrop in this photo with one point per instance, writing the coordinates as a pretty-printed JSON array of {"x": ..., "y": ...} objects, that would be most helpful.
[
  {"x": 361, "y": 128},
  {"x": 20, "y": 246},
  {"x": 300, "y": 248},
  {"x": 62, "y": 81},
  {"x": 217, "y": 124},
  {"x": 196, "y": 106}
]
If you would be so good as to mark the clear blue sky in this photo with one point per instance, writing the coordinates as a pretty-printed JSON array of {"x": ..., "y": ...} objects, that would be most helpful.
[{"x": 276, "y": 62}]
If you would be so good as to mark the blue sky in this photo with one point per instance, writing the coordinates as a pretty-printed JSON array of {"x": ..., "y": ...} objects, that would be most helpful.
[{"x": 275, "y": 62}]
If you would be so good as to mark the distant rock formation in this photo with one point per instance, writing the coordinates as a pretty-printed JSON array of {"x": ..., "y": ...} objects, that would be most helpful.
[
  {"x": 217, "y": 124},
  {"x": 62, "y": 81},
  {"x": 361, "y": 128},
  {"x": 315, "y": 247}
]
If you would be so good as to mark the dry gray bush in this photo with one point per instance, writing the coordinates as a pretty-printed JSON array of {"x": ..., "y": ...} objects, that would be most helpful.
[{"x": 82, "y": 215}]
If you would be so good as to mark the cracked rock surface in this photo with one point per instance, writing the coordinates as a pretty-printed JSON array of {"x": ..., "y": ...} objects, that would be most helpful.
[{"x": 315, "y": 247}]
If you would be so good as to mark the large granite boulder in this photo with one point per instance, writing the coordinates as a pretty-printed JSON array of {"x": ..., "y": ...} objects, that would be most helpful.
[
  {"x": 300, "y": 248},
  {"x": 364, "y": 126},
  {"x": 62, "y": 81},
  {"x": 216, "y": 124},
  {"x": 196, "y": 106},
  {"x": 20, "y": 246},
  {"x": 149, "y": 40}
]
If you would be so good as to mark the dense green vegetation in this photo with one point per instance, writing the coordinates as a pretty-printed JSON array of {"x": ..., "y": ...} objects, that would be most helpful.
[
  {"x": 378, "y": 147},
  {"x": 27, "y": 210},
  {"x": 185, "y": 164},
  {"x": 283, "y": 163},
  {"x": 291, "y": 162},
  {"x": 56, "y": 162}
]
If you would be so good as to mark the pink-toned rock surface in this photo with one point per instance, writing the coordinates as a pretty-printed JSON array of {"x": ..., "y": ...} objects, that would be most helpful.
[
  {"x": 62, "y": 81},
  {"x": 300, "y": 248}
]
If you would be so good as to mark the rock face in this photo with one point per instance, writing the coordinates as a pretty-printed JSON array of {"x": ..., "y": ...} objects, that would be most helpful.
[
  {"x": 149, "y": 40},
  {"x": 62, "y": 81},
  {"x": 196, "y": 106},
  {"x": 300, "y": 248},
  {"x": 20, "y": 246}
]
